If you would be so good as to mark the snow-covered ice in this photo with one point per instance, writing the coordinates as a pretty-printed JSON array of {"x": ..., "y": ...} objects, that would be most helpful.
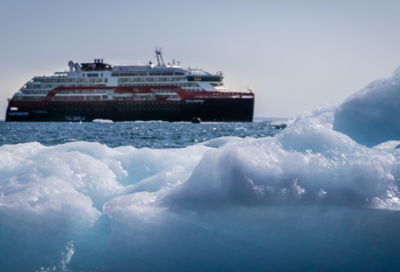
[{"x": 322, "y": 195}]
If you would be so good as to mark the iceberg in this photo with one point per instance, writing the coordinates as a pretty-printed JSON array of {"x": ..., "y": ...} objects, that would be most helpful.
[{"x": 323, "y": 194}]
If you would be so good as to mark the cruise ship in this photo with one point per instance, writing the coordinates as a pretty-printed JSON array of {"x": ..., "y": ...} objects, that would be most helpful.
[{"x": 97, "y": 90}]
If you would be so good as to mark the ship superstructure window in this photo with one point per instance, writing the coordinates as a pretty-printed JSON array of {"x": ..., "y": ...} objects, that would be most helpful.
[
  {"x": 130, "y": 74},
  {"x": 99, "y": 80},
  {"x": 58, "y": 80},
  {"x": 155, "y": 79},
  {"x": 32, "y": 98},
  {"x": 32, "y": 86},
  {"x": 75, "y": 92},
  {"x": 93, "y": 75},
  {"x": 204, "y": 78},
  {"x": 76, "y": 98},
  {"x": 182, "y": 85},
  {"x": 93, "y": 98},
  {"x": 34, "y": 92},
  {"x": 161, "y": 73}
]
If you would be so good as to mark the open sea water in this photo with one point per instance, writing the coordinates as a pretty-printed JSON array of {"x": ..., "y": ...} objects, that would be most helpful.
[{"x": 154, "y": 134}]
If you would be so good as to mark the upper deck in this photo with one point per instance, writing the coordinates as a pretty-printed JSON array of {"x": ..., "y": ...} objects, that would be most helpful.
[{"x": 100, "y": 74}]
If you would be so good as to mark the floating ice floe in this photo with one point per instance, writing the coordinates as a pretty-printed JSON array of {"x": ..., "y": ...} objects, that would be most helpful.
[{"x": 103, "y": 121}]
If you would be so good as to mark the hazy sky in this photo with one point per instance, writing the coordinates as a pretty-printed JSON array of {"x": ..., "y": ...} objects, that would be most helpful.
[{"x": 295, "y": 55}]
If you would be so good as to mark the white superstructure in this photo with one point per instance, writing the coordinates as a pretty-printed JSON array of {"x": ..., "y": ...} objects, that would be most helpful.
[{"x": 99, "y": 74}]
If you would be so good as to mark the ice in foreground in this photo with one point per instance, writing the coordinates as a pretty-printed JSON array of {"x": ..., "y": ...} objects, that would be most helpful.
[{"x": 321, "y": 195}]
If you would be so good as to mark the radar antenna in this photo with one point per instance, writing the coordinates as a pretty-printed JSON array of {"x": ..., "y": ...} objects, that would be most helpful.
[
  {"x": 77, "y": 67},
  {"x": 158, "y": 53}
]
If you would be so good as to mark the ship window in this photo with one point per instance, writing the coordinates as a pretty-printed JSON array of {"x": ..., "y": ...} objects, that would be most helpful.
[
  {"x": 92, "y": 98},
  {"x": 83, "y": 75},
  {"x": 127, "y": 74},
  {"x": 93, "y": 75}
]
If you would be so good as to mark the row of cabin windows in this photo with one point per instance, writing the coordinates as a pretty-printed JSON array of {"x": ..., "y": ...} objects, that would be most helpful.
[
  {"x": 80, "y": 98},
  {"x": 80, "y": 80},
  {"x": 133, "y": 103},
  {"x": 76, "y": 92},
  {"x": 61, "y": 98},
  {"x": 92, "y": 75},
  {"x": 68, "y": 104},
  {"x": 126, "y": 105},
  {"x": 34, "y": 92},
  {"x": 79, "y": 91},
  {"x": 70, "y": 80},
  {"x": 89, "y": 92},
  {"x": 163, "y": 91},
  {"x": 105, "y": 80},
  {"x": 84, "y": 98},
  {"x": 57, "y": 80},
  {"x": 152, "y": 103},
  {"x": 151, "y": 79},
  {"x": 30, "y": 90},
  {"x": 134, "y": 109},
  {"x": 205, "y": 78},
  {"x": 65, "y": 85},
  {"x": 161, "y": 73},
  {"x": 183, "y": 85},
  {"x": 100, "y": 80}
]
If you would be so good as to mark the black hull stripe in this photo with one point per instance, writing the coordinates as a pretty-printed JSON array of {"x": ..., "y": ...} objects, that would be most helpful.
[{"x": 221, "y": 110}]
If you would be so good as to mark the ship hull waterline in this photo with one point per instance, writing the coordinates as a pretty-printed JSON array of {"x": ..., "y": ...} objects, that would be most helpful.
[{"x": 208, "y": 110}]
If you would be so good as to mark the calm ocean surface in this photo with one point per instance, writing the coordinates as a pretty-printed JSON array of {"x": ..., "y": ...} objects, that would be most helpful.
[{"x": 153, "y": 134}]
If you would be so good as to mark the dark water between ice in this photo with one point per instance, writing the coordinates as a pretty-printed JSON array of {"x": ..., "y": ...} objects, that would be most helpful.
[{"x": 138, "y": 134}]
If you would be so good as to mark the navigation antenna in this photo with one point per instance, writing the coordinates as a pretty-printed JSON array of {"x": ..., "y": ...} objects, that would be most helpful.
[{"x": 158, "y": 53}]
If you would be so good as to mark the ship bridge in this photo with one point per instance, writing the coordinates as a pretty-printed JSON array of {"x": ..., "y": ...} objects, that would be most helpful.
[{"x": 97, "y": 65}]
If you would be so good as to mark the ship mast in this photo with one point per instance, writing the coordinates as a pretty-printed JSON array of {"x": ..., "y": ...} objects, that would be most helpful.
[{"x": 158, "y": 53}]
